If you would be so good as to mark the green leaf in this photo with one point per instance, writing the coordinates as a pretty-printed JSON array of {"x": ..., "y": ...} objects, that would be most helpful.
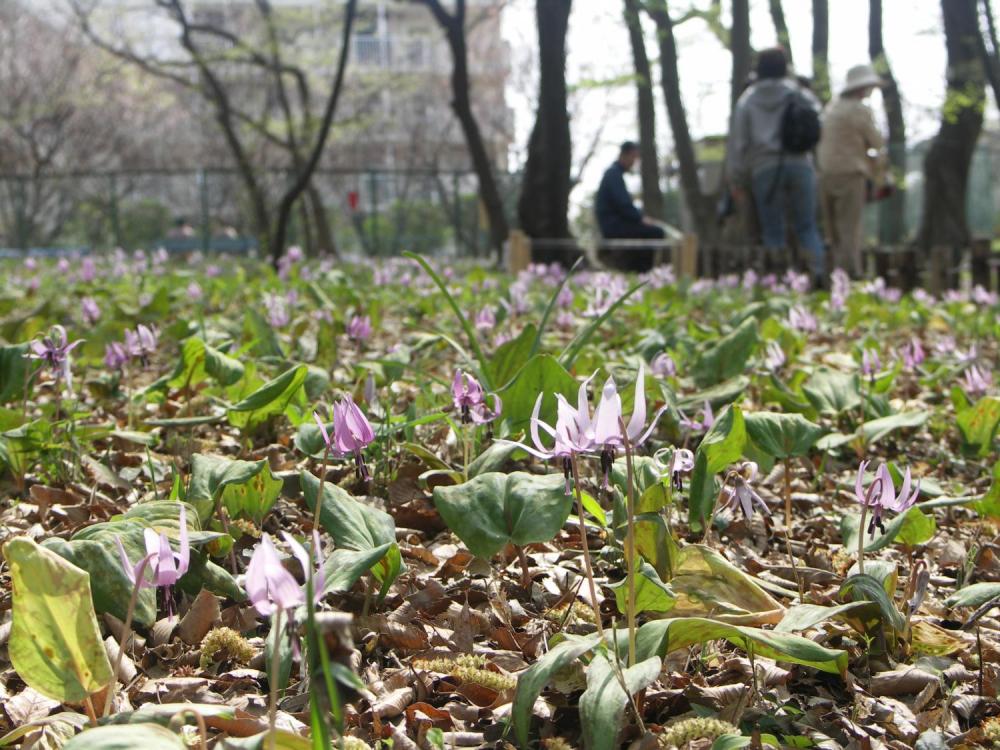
[
  {"x": 730, "y": 742},
  {"x": 910, "y": 528},
  {"x": 355, "y": 526},
  {"x": 663, "y": 636},
  {"x": 15, "y": 368},
  {"x": 199, "y": 360},
  {"x": 975, "y": 595},
  {"x": 875, "y": 429},
  {"x": 493, "y": 510},
  {"x": 717, "y": 395},
  {"x": 728, "y": 357},
  {"x": 989, "y": 505},
  {"x": 266, "y": 342},
  {"x": 603, "y": 703},
  {"x": 541, "y": 374},
  {"x": 533, "y": 680},
  {"x": 55, "y": 645},
  {"x": 511, "y": 356},
  {"x": 703, "y": 493},
  {"x": 723, "y": 444},
  {"x": 866, "y": 588},
  {"x": 651, "y": 593},
  {"x": 705, "y": 583},
  {"x": 343, "y": 567},
  {"x": 283, "y": 740},
  {"x": 979, "y": 424},
  {"x": 110, "y": 585},
  {"x": 56, "y": 730},
  {"x": 245, "y": 489},
  {"x": 805, "y": 616},
  {"x": 492, "y": 459},
  {"x": 270, "y": 399},
  {"x": 782, "y": 435},
  {"x": 126, "y": 737},
  {"x": 832, "y": 392}
]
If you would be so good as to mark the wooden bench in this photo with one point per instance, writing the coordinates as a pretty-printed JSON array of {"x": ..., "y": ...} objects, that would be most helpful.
[{"x": 679, "y": 250}]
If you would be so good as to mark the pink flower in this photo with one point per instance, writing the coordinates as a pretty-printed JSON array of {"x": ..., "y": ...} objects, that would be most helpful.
[
  {"x": 165, "y": 567},
  {"x": 881, "y": 494},
  {"x": 470, "y": 400}
]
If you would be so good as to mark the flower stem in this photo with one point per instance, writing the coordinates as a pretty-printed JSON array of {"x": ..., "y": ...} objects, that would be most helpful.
[
  {"x": 588, "y": 568},
  {"x": 272, "y": 709},
  {"x": 861, "y": 540},
  {"x": 126, "y": 632},
  {"x": 465, "y": 453},
  {"x": 788, "y": 495},
  {"x": 629, "y": 542},
  {"x": 319, "y": 490}
]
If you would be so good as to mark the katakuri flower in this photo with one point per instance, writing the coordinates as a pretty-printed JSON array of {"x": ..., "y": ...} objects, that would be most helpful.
[
  {"x": 469, "y": 399},
  {"x": 270, "y": 586},
  {"x": 912, "y": 354},
  {"x": 486, "y": 319},
  {"x": 359, "y": 328},
  {"x": 53, "y": 351},
  {"x": 740, "y": 492},
  {"x": 352, "y": 433},
  {"x": 881, "y": 494},
  {"x": 141, "y": 344},
  {"x": 161, "y": 566},
  {"x": 977, "y": 380},
  {"x": 570, "y": 434},
  {"x": 606, "y": 428},
  {"x": 870, "y": 364},
  {"x": 663, "y": 366},
  {"x": 89, "y": 310},
  {"x": 681, "y": 463},
  {"x": 774, "y": 356},
  {"x": 115, "y": 356}
]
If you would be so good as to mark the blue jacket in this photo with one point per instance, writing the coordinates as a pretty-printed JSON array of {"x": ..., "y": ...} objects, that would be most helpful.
[{"x": 613, "y": 205}]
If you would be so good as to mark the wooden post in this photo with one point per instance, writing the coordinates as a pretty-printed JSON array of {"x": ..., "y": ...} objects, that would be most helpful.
[
  {"x": 687, "y": 262},
  {"x": 981, "y": 262},
  {"x": 518, "y": 251},
  {"x": 937, "y": 270}
]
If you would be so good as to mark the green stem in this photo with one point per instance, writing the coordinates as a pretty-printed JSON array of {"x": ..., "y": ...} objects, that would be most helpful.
[
  {"x": 629, "y": 542},
  {"x": 126, "y": 632},
  {"x": 588, "y": 568},
  {"x": 319, "y": 490},
  {"x": 861, "y": 540},
  {"x": 272, "y": 709}
]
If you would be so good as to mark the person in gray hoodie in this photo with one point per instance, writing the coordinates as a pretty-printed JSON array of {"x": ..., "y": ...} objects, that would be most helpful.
[{"x": 779, "y": 182}]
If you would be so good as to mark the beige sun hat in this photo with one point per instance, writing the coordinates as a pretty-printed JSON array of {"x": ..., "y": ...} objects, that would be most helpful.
[{"x": 861, "y": 77}]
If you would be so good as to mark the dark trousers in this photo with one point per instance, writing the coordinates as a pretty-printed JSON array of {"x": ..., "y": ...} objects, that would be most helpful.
[{"x": 635, "y": 259}]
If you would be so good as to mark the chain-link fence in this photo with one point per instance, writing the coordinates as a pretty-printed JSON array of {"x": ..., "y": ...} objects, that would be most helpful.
[{"x": 374, "y": 212}]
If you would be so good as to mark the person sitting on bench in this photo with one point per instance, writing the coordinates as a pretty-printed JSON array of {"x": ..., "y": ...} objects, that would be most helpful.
[{"x": 618, "y": 217}]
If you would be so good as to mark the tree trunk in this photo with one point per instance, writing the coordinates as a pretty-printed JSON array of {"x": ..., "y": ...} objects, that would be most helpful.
[
  {"x": 949, "y": 158},
  {"x": 649, "y": 161},
  {"x": 700, "y": 205},
  {"x": 821, "y": 49},
  {"x": 453, "y": 26},
  {"x": 892, "y": 227},
  {"x": 739, "y": 43},
  {"x": 989, "y": 49},
  {"x": 544, "y": 202},
  {"x": 324, "y": 233},
  {"x": 781, "y": 28},
  {"x": 303, "y": 176}
]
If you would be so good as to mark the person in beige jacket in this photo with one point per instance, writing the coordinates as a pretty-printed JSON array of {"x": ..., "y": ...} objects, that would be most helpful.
[{"x": 851, "y": 156}]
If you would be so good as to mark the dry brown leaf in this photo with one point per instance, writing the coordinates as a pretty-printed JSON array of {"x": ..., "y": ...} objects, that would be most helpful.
[
  {"x": 200, "y": 618},
  {"x": 27, "y": 706}
]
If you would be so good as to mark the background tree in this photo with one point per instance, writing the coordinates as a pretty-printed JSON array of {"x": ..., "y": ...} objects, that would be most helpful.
[
  {"x": 453, "y": 25},
  {"x": 892, "y": 224},
  {"x": 948, "y": 160},
  {"x": 255, "y": 94},
  {"x": 742, "y": 52},
  {"x": 700, "y": 205},
  {"x": 781, "y": 28},
  {"x": 649, "y": 162},
  {"x": 544, "y": 202},
  {"x": 821, "y": 49},
  {"x": 989, "y": 48}
]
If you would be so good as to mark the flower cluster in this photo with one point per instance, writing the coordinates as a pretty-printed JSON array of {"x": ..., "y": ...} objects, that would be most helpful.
[{"x": 139, "y": 344}]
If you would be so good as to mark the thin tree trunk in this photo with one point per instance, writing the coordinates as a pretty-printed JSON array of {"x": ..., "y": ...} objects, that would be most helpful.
[
  {"x": 304, "y": 175},
  {"x": 781, "y": 28},
  {"x": 821, "y": 49},
  {"x": 649, "y": 162},
  {"x": 700, "y": 205},
  {"x": 739, "y": 42},
  {"x": 543, "y": 206},
  {"x": 892, "y": 213},
  {"x": 989, "y": 49},
  {"x": 324, "y": 233},
  {"x": 949, "y": 158},
  {"x": 453, "y": 26}
]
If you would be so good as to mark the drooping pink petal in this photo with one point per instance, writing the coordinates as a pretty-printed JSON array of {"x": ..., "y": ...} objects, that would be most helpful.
[{"x": 638, "y": 420}]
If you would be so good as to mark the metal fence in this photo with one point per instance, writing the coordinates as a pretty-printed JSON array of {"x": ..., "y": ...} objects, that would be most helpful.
[{"x": 372, "y": 212}]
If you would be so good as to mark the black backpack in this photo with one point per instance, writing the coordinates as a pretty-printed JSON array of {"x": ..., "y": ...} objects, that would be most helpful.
[{"x": 800, "y": 127}]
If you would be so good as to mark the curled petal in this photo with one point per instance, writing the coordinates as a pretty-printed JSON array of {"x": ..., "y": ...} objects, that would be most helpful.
[
  {"x": 859, "y": 486},
  {"x": 635, "y": 424}
]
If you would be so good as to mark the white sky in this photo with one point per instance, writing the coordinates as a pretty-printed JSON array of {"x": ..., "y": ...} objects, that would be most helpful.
[{"x": 598, "y": 49}]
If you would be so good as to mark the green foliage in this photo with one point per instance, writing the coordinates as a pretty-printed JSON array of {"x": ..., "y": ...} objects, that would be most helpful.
[
  {"x": 728, "y": 356},
  {"x": 246, "y": 489},
  {"x": 62, "y": 658},
  {"x": 493, "y": 510},
  {"x": 271, "y": 399},
  {"x": 782, "y": 435}
]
